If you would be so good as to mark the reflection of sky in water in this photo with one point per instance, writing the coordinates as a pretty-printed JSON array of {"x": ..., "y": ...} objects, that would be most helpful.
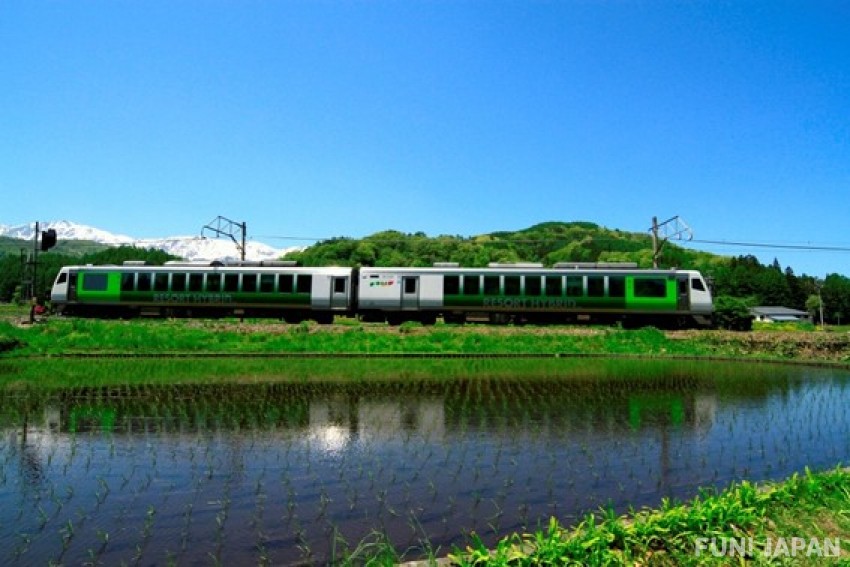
[
  {"x": 329, "y": 438},
  {"x": 281, "y": 471}
]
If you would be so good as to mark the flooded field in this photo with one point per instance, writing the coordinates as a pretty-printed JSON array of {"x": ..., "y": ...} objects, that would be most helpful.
[{"x": 286, "y": 466}]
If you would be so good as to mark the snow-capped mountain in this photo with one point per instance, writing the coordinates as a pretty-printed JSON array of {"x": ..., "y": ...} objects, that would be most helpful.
[
  {"x": 191, "y": 248},
  {"x": 66, "y": 230}
]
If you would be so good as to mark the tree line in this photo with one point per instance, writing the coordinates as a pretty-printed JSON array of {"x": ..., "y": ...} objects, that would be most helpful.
[{"x": 14, "y": 269}]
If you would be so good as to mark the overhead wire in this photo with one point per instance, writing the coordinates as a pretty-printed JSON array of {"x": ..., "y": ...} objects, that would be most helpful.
[
  {"x": 741, "y": 244},
  {"x": 805, "y": 247}
]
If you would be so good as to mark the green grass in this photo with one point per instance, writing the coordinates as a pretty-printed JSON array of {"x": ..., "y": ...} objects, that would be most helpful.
[
  {"x": 602, "y": 373},
  {"x": 69, "y": 336},
  {"x": 61, "y": 336},
  {"x": 809, "y": 505}
]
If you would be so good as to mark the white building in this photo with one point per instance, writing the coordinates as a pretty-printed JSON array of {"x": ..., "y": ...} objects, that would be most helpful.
[{"x": 779, "y": 315}]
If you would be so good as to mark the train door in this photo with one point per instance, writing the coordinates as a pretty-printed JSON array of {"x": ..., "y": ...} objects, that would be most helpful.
[
  {"x": 339, "y": 292},
  {"x": 72, "y": 286},
  {"x": 683, "y": 293},
  {"x": 409, "y": 293}
]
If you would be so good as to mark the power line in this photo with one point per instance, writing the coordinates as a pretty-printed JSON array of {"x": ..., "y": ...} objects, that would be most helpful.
[
  {"x": 310, "y": 238},
  {"x": 802, "y": 247},
  {"x": 806, "y": 247}
]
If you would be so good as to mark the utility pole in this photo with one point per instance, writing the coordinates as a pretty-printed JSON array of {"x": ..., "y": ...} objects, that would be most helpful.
[
  {"x": 34, "y": 262},
  {"x": 224, "y": 226},
  {"x": 25, "y": 272},
  {"x": 656, "y": 251},
  {"x": 671, "y": 228}
]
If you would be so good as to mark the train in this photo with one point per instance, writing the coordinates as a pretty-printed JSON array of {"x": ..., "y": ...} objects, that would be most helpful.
[{"x": 499, "y": 293}]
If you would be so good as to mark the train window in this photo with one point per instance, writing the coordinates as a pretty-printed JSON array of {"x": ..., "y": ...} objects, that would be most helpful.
[
  {"x": 143, "y": 282},
  {"x": 410, "y": 285},
  {"x": 491, "y": 285},
  {"x": 305, "y": 283},
  {"x": 231, "y": 282},
  {"x": 178, "y": 282},
  {"x": 214, "y": 282},
  {"x": 96, "y": 282},
  {"x": 595, "y": 286},
  {"x": 553, "y": 286},
  {"x": 286, "y": 283},
  {"x": 196, "y": 282},
  {"x": 128, "y": 282},
  {"x": 696, "y": 283},
  {"x": 267, "y": 283},
  {"x": 339, "y": 285},
  {"x": 650, "y": 287},
  {"x": 249, "y": 283},
  {"x": 575, "y": 286},
  {"x": 451, "y": 285},
  {"x": 471, "y": 285},
  {"x": 511, "y": 285},
  {"x": 160, "y": 281},
  {"x": 532, "y": 285},
  {"x": 616, "y": 286}
]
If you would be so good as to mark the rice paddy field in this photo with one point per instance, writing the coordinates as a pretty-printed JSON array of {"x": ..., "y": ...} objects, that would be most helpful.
[{"x": 287, "y": 461}]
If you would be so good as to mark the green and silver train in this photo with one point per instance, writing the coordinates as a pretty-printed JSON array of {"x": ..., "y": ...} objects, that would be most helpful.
[{"x": 500, "y": 293}]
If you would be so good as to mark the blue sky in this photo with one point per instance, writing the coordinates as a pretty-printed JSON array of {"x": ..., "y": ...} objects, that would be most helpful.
[{"x": 325, "y": 119}]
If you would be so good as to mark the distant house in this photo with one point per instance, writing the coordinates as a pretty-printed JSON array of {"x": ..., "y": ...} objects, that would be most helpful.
[{"x": 779, "y": 315}]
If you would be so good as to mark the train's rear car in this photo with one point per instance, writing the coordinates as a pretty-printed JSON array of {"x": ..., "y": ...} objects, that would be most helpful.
[{"x": 181, "y": 289}]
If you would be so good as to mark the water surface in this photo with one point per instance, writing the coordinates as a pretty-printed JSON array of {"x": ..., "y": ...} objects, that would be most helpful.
[{"x": 282, "y": 472}]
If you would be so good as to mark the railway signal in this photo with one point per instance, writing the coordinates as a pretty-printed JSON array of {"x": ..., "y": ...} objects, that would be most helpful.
[{"x": 48, "y": 239}]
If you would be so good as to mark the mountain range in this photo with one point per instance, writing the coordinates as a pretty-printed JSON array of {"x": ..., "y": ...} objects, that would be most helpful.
[{"x": 190, "y": 248}]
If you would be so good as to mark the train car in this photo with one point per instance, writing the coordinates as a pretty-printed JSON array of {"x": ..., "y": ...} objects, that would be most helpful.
[
  {"x": 179, "y": 289},
  {"x": 529, "y": 293}
]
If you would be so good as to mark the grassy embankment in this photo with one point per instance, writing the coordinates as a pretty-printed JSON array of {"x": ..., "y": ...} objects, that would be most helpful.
[{"x": 59, "y": 336}]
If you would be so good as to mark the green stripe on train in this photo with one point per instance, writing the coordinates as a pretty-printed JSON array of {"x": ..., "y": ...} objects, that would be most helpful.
[
  {"x": 103, "y": 291},
  {"x": 666, "y": 303}
]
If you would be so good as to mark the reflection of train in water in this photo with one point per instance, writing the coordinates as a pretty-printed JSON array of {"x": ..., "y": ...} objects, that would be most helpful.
[{"x": 500, "y": 293}]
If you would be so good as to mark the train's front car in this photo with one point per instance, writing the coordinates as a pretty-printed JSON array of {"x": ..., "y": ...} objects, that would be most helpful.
[
  {"x": 701, "y": 305},
  {"x": 60, "y": 292}
]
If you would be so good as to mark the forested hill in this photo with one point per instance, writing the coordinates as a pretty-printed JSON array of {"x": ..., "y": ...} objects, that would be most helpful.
[
  {"x": 548, "y": 243},
  {"x": 744, "y": 277},
  {"x": 15, "y": 246}
]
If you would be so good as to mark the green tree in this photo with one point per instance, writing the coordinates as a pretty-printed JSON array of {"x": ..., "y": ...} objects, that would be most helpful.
[
  {"x": 732, "y": 313},
  {"x": 772, "y": 287},
  {"x": 836, "y": 296},
  {"x": 813, "y": 306}
]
